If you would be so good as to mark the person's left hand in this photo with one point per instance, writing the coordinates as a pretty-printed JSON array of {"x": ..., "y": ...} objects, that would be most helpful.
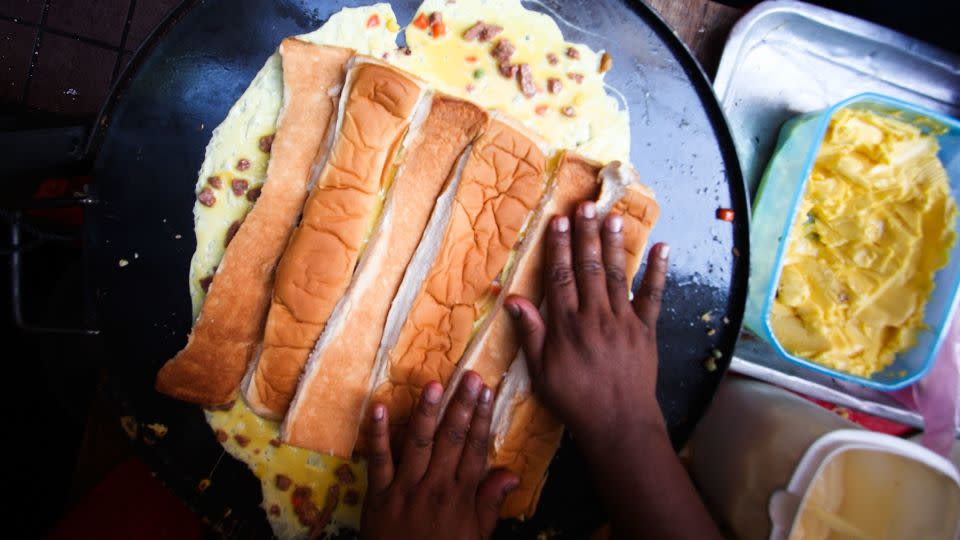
[{"x": 440, "y": 488}]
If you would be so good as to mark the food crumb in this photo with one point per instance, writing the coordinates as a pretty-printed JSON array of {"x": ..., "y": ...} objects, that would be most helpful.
[
  {"x": 716, "y": 353},
  {"x": 159, "y": 430},
  {"x": 726, "y": 320},
  {"x": 569, "y": 112},
  {"x": 710, "y": 364},
  {"x": 711, "y": 331},
  {"x": 122, "y": 262},
  {"x": 735, "y": 251},
  {"x": 129, "y": 425},
  {"x": 707, "y": 317},
  {"x": 573, "y": 53},
  {"x": 606, "y": 62},
  {"x": 203, "y": 485},
  {"x": 177, "y": 236}
]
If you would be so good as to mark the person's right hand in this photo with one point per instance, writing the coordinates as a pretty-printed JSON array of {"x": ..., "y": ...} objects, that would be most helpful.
[{"x": 594, "y": 360}]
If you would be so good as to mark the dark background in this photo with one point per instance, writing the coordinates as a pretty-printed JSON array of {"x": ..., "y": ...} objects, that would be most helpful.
[{"x": 58, "y": 61}]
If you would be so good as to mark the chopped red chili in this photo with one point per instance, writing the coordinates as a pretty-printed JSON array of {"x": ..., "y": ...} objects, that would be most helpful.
[
  {"x": 421, "y": 22},
  {"x": 373, "y": 21},
  {"x": 471, "y": 59},
  {"x": 438, "y": 29},
  {"x": 541, "y": 110},
  {"x": 725, "y": 214}
]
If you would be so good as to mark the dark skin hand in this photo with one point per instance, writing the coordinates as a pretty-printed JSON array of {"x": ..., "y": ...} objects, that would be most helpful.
[
  {"x": 440, "y": 488},
  {"x": 597, "y": 348},
  {"x": 594, "y": 348}
]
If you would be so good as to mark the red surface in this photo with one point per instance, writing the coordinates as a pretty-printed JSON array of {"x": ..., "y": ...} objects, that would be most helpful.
[
  {"x": 873, "y": 423},
  {"x": 129, "y": 503}
]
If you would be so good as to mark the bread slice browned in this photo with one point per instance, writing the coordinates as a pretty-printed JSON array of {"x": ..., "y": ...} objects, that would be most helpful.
[
  {"x": 210, "y": 367},
  {"x": 495, "y": 345},
  {"x": 525, "y": 434},
  {"x": 501, "y": 186},
  {"x": 379, "y": 104},
  {"x": 326, "y": 412}
]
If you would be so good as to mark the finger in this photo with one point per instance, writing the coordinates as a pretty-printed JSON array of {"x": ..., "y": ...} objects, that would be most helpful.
[
  {"x": 491, "y": 496},
  {"x": 379, "y": 458},
  {"x": 420, "y": 433},
  {"x": 532, "y": 332},
  {"x": 473, "y": 463},
  {"x": 647, "y": 301},
  {"x": 560, "y": 283},
  {"x": 587, "y": 259},
  {"x": 450, "y": 438},
  {"x": 614, "y": 262}
]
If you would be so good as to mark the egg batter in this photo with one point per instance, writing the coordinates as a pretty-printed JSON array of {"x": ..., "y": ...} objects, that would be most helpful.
[
  {"x": 566, "y": 103},
  {"x": 875, "y": 224}
]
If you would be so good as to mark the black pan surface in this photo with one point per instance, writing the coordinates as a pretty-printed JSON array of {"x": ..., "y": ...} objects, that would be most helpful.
[{"x": 150, "y": 144}]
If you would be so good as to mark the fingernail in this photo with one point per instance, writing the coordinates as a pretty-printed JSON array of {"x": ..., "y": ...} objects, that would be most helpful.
[
  {"x": 664, "y": 252},
  {"x": 432, "y": 393},
  {"x": 486, "y": 395},
  {"x": 562, "y": 224},
  {"x": 514, "y": 310},
  {"x": 589, "y": 210},
  {"x": 473, "y": 383},
  {"x": 615, "y": 224},
  {"x": 379, "y": 411}
]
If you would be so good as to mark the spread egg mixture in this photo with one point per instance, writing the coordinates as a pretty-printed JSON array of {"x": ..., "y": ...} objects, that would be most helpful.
[
  {"x": 494, "y": 52},
  {"x": 875, "y": 224}
]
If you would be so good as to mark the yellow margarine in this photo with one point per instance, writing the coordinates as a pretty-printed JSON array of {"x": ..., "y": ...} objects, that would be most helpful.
[{"x": 875, "y": 224}]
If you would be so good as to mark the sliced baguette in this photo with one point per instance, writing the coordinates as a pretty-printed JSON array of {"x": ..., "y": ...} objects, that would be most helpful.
[
  {"x": 502, "y": 183},
  {"x": 209, "y": 369},
  {"x": 326, "y": 412},
  {"x": 378, "y": 105}
]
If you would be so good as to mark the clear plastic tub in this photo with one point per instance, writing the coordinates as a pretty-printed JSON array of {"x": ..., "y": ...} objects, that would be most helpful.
[{"x": 781, "y": 192}]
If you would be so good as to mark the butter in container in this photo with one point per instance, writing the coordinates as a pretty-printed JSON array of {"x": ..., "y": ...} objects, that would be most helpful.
[{"x": 860, "y": 249}]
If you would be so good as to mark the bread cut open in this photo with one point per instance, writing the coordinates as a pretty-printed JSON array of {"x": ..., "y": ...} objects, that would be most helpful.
[
  {"x": 463, "y": 251},
  {"x": 209, "y": 369},
  {"x": 495, "y": 345},
  {"x": 379, "y": 105},
  {"x": 326, "y": 412},
  {"x": 525, "y": 434}
]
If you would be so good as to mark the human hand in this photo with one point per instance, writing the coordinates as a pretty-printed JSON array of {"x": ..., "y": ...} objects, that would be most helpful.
[
  {"x": 594, "y": 360},
  {"x": 440, "y": 488}
]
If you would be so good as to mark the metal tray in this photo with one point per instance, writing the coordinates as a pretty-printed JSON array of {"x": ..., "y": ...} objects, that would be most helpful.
[{"x": 785, "y": 58}]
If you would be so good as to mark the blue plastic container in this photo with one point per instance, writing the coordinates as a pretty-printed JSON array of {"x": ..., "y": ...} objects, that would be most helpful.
[{"x": 774, "y": 211}]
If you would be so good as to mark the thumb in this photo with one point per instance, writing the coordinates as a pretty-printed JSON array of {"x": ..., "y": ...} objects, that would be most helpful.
[
  {"x": 490, "y": 497},
  {"x": 532, "y": 332}
]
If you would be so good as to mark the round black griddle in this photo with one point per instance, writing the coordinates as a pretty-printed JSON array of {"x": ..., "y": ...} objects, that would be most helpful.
[{"x": 150, "y": 144}]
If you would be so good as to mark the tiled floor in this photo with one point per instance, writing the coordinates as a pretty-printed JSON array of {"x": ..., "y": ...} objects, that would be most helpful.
[{"x": 61, "y": 56}]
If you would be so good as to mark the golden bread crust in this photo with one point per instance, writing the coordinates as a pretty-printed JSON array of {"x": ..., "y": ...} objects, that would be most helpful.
[
  {"x": 501, "y": 185},
  {"x": 327, "y": 411},
  {"x": 319, "y": 261},
  {"x": 210, "y": 367}
]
